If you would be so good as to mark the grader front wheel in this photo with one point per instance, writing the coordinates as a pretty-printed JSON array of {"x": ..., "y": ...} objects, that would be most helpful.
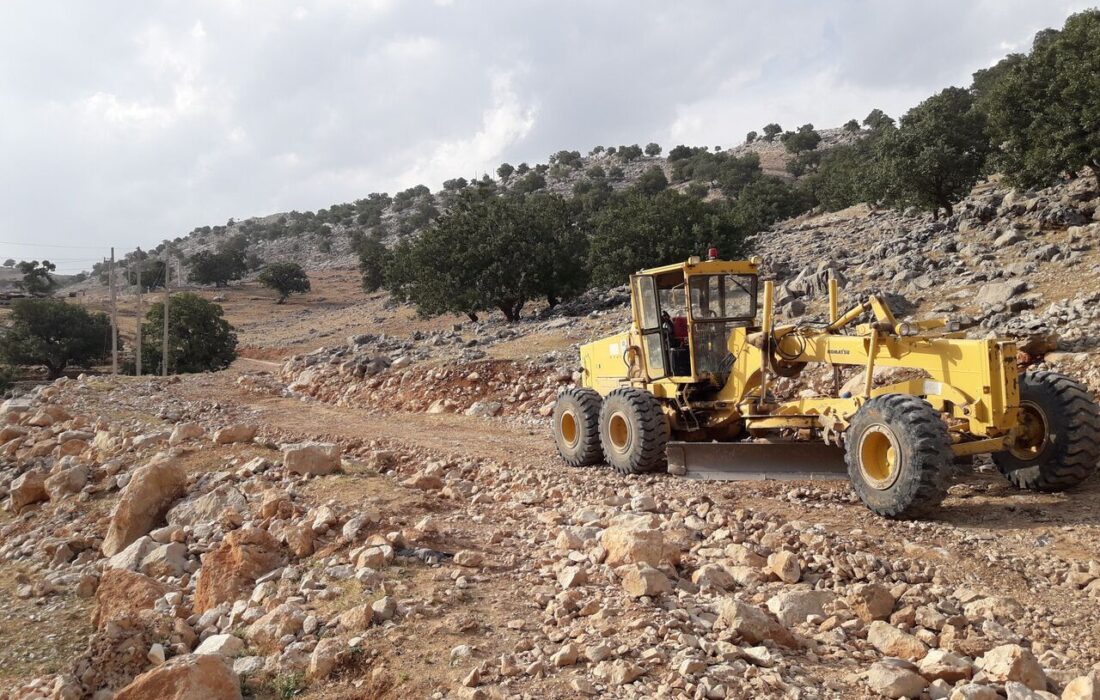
[
  {"x": 899, "y": 455},
  {"x": 633, "y": 432},
  {"x": 1059, "y": 442},
  {"x": 577, "y": 427}
]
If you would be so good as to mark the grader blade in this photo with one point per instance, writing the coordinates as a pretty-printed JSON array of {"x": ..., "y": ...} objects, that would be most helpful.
[{"x": 756, "y": 461}]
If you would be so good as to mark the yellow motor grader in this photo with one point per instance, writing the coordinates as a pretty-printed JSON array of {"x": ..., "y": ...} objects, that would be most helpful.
[{"x": 688, "y": 388}]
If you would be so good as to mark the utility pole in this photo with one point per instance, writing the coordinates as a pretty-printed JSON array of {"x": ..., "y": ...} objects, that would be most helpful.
[
  {"x": 114, "y": 315},
  {"x": 137, "y": 350},
  {"x": 167, "y": 299}
]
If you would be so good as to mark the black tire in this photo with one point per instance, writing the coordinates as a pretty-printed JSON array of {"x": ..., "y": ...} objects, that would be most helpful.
[
  {"x": 1066, "y": 417},
  {"x": 899, "y": 456},
  {"x": 577, "y": 427},
  {"x": 633, "y": 432}
]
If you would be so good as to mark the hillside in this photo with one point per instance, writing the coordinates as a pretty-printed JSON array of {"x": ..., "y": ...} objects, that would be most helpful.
[
  {"x": 325, "y": 239},
  {"x": 446, "y": 552}
]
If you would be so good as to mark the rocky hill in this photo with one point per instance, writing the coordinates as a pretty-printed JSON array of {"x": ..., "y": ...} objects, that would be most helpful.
[{"x": 324, "y": 239}]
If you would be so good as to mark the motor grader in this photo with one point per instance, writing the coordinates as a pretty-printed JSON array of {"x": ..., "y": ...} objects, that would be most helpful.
[{"x": 689, "y": 388}]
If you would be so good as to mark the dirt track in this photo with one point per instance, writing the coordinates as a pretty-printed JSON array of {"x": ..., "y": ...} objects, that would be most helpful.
[{"x": 988, "y": 537}]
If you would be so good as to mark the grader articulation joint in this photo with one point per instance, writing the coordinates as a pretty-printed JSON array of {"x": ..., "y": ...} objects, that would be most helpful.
[{"x": 689, "y": 388}]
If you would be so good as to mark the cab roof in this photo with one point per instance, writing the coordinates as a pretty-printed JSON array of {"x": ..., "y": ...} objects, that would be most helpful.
[{"x": 708, "y": 267}]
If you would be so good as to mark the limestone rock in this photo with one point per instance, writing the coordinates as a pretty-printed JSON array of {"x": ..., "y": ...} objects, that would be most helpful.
[
  {"x": 222, "y": 645},
  {"x": 232, "y": 569},
  {"x": 894, "y": 678},
  {"x": 1011, "y": 662},
  {"x": 147, "y": 497},
  {"x": 29, "y": 487},
  {"x": 1083, "y": 688},
  {"x": 184, "y": 432},
  {"x": 784, "y": 564},
  {"x": 633, "y": 543},
  {"x": 872, "y": 601},
  {"x": 315, "y": 458},
  {"x": 66, "y": 482},
  {"x": 123, "y": 594},
  {"x": 189, "y": 677},
  {"x": 166, "y": 560},
  {"x": 949, "y": 666},
  {"x": 793, "y": 607},
  {"x": 713, "y": 576},
  {"x": 891, "y": 641},
  {"x": 240, "y": 432},
  {"x": 974, "y": 691},
  {"x": 284, "y": 619},
  {"x": 207, "y": 507},
  {"x": 752, "y": 624},
  {"x": 356, "y": 619},
  {"x": 325, "y": 656},
  {"x": 643, "y": 580}
]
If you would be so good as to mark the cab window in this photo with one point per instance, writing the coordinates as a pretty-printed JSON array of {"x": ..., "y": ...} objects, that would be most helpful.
[{"x": 722, "y": 297}]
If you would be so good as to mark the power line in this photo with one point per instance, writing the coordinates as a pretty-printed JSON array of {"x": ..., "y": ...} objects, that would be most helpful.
[{"x": 53, "y": 245}]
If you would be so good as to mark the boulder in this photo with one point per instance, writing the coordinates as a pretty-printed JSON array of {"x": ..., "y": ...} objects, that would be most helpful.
[
  {"x": 188, "y": 677},
  {"x": 221, "y": 645},
  {"x": 66, "y": 482},
  {"x": 643, "y": 580},
  {"x": 28, "y": 488},
  {"x": 949, "y": 666},
  {"x": 993, "y": 293},
  {"x": 484, "y": 409},
  {"x": 895, "y": 678},
  {"x": 752, "y": 624},
  {"x": 207, "y": 507},
  {"x": 891, "y": 641},
  {"x": 184, "y": 432},
  {"x": 793, "y": 607},
  {"x": 1019, "y": 691},
  {"x": 1083, "y": 688},
  {"x": 713, "y": 576},
  {"x": 130, "y": 558},
  {"x": 357, "y": 619},
  {"x": 166, "y": 560},
  {"x": 325, "y": 656},
  {"x": 974, "y": 691},
  {"x": 230, "y": 571},
  {"x": 284, "y": 619},
  {"x": 240, "y": 432},
  {"x": 1012, "y": 662},
  {"x": 124, "y": 593},
  {"x": 633, "y": 543},
  {"x": 149, "y": 494},
  {"x": 316, "y": 458},
  {"x": 871, "y": 601},
  {"x": 784, "y": 564}
]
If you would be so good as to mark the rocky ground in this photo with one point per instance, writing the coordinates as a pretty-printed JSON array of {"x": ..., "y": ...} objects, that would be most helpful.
[{"x": 384, "y": 516}]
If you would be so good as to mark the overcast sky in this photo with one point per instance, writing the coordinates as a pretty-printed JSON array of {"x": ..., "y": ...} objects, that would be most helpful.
[{"x": 127, "y": 122}]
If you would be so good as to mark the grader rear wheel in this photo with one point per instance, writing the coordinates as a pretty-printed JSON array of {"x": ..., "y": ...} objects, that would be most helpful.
[
  {"x": 1059, "y": 444},
  {"x": 899, "y": 455},
  {"x": 633, "y": 432},
  {"x": 577, "y": 427}
]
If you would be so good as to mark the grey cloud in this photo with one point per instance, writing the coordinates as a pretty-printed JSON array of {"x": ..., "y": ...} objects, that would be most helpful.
[{"x": 127, "y": 123}]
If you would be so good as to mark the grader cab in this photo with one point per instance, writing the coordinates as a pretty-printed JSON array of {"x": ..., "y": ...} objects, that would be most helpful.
[{"x": 689, "y": 389}]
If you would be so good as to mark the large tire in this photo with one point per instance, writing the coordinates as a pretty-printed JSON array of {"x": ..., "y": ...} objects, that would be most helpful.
[
  {"x": 1061, "y": 447},
  {"x": 634, "y": 432},
  {"x": 577, "y": 427},
  {"x": 899, "y": 456}
]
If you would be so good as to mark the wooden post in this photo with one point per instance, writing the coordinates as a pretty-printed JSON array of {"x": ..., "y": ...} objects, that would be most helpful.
[{"x": 114, "y": 314}]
